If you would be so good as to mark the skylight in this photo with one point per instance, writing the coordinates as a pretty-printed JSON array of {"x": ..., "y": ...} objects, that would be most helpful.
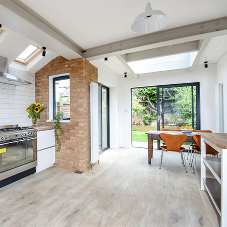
[
  {"x": 177, "y": 61},
  {"x": 27, "y": 52},
  {"x": 1, "y": 31}
]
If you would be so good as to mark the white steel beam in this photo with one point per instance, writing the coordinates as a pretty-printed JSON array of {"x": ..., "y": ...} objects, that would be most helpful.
[
  {"x": 162, "y": 51},
  {"x": 192, "y": 32},
  {"x": 127, "y": 67},
  {"x": 203, "y": 45},
  {"x": 23, "y": 20}
]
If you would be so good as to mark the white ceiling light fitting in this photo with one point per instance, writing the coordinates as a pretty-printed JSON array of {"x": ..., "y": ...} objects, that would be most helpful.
[{"x": 149, "y": 21}]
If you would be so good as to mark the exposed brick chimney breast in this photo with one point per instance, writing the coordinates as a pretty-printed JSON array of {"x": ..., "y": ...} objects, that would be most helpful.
[{"x": 76, "y": 146}]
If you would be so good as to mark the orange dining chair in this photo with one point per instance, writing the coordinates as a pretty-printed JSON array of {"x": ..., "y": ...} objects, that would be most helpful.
[
  {"x": 170, "y": 130},
  {"x": 173, "y": 143},
  {"x": 197, "y": 150},
  {"x": 194, "y": 145}
]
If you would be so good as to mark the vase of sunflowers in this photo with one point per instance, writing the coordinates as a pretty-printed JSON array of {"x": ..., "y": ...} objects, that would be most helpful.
[{"x": 34, "y": 111}]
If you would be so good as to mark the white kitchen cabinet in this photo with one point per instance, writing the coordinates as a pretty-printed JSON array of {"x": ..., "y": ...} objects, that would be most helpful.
[
  {"x": 45, "y": 149},
  {"x": 45, "y": 139}
]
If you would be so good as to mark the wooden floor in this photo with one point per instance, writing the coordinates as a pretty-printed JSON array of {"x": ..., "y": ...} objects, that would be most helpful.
[{"x": 123, "y": 190}]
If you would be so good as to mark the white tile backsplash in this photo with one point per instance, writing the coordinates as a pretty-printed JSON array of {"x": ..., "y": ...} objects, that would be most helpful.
[{"x": 15, "y": 99}]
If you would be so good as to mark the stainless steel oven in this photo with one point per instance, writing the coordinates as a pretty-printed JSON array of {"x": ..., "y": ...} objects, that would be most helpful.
[{"x": 18, "y": 154}]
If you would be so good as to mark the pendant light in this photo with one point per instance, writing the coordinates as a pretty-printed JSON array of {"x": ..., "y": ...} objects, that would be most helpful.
[{"x": 149, "y": 21}]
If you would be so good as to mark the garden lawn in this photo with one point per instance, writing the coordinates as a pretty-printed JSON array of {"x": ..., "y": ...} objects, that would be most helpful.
[{"x": 140, "y": 136}]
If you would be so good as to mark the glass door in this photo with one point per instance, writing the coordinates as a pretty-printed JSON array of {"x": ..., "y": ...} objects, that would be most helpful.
[
  {"x": 103, "y": 107},
  {"x": 164, "y": 106},
  {"x": 178, "y": 105}
]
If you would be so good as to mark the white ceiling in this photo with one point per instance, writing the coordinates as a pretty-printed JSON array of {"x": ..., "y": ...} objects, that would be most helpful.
[
  {"x": 13, "y": 44},
  {"x": 92, "y": 23},
  {"x": 215, "y": 50}
]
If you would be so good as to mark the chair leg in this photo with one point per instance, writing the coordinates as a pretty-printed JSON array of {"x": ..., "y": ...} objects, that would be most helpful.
[
  {"x": 184, "y": 162},
  {"x": 186, "y": 167},
  {"x": 161, "y": 159},
  {"x": 194, "y": 163},
  {"x": 181, "y": 158},
  {"x": 184, "y": 159},
  {"x": 190, "y": 157},
  {"x": 188, "y": 152}
]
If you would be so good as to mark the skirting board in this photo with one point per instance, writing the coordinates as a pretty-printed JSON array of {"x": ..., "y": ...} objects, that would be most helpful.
[{"x": 46, "y": 167}]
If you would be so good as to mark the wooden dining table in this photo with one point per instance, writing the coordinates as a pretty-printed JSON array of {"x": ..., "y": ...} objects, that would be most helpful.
[{"x": 155, "y": 135}]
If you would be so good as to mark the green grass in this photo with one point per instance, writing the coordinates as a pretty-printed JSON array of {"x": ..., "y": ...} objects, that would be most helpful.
[
  {"x": 138, "y": 133},
  {"x": 143, "y": 128},
  {"x": 140, "y": 136},
  {"x": 147, "y": 128}
]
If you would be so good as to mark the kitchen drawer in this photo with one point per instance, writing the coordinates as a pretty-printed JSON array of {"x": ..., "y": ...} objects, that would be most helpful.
[
  {"x": 45, "y": 139},
  {"x": 45, "y": 159}
]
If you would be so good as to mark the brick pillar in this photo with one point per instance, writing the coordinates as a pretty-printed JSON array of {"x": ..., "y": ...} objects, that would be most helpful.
[{"x": 76, "y": 146}]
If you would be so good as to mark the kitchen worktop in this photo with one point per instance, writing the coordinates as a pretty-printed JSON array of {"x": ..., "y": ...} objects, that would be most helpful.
[
  {"x": 42, "y": 128},
  {"x": 218, "y": 139}
]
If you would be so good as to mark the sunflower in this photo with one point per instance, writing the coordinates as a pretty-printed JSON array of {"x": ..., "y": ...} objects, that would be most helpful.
[
  {"x": 27, "y": 110},
  {"x": 36, "y": 110},
  {"x": 38, "y": 104}
]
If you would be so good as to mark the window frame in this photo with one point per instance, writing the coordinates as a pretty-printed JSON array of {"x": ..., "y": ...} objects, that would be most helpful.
[
  {"x": 65, "y": 77},
  {"x": 30, "y": 58},
  {"x": 1, "y": 31}
]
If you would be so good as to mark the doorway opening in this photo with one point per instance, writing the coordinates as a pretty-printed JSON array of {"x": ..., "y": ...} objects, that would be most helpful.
[
  {"x": 103, "y": 117},
  {"x": 164, "y": 106}
]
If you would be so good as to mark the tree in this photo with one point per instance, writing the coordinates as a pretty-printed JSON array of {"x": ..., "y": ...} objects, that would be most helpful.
[
  {"x": 183, "y": 99},
  {"x": 137, "y": 108},
  {"x": 148, "y": 96}
]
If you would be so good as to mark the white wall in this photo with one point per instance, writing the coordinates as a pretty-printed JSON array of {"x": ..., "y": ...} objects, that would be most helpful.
[
  {"x": 108, "y": 78},
  {"x": 15, "y": 99},
  {"x": 105, "y": 76},
  {"x": 206, "y": 77},
  {"x": 222, "y": 78}
]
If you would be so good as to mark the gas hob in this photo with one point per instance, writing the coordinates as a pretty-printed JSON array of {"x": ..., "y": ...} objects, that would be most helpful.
[{"x": 11, "y": 132}]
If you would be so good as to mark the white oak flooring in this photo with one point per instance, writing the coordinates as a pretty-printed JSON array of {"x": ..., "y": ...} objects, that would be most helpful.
[{"x": 123, "y": 190}]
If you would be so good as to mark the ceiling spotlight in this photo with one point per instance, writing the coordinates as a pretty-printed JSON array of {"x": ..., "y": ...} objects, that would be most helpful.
[
  {"x": 125, "y": 76},
  {"x": 44, "y": 51},
  {"x": 105, "y": 59},
  {"x": 206, "y": 64},
  {"x": 149, "y": 21}
]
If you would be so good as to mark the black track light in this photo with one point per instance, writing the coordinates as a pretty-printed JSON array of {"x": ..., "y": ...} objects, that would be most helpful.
[
  {"x": 125, "y": 76},
  {"x": 105, "y": 59},
  {"x": 44, "y": 51},
  {"x": 0, "y": 26},
  {"x": 206, "y": 64}
]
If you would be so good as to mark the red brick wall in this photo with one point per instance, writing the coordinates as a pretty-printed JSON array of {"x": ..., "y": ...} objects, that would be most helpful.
[
  {"x": 76, "y": 147},
  {"x": 66, "y": 110}
]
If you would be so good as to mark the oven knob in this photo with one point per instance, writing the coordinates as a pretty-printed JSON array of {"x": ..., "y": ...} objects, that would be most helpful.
[
  {"x": 2, "y": 138},
  {"x": 16, "y": 135},
  {"x": 10, "y": 137}
]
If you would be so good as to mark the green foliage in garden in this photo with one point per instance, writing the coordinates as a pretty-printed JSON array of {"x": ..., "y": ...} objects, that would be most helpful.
[
  {"x": 137, "y": 108},
  {"x": 183, "y": 98},
  {"x": 148, "y": 118}
]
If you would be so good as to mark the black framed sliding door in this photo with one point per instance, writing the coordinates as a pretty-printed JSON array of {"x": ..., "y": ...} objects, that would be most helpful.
[
  {"x": 103, "y": 109},
  {"x": 178, "y": 105}
]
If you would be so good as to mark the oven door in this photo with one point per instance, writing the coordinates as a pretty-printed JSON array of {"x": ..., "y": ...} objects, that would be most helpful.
[{"x": 15, "y": 153}]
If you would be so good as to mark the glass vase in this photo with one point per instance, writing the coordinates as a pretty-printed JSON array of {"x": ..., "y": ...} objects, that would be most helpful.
[{"x": 34, "y": 121}]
